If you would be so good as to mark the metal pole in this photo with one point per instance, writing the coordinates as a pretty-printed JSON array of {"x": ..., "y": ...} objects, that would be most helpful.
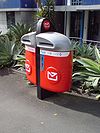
[
  {"x": 41, "y": 93},
  {"x": 81, "y": 27},
  {"x": 65, "y": 17}
]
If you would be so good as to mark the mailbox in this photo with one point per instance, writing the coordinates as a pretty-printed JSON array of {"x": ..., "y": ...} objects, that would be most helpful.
[
  {"x": 30, "y": 54},
  {"x": 55, "y": 61}
]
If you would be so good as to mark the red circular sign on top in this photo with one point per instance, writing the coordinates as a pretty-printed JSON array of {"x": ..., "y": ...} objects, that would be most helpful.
[
  {"x": 52, "y": 75},
  {"x": 46, "y": 24}
]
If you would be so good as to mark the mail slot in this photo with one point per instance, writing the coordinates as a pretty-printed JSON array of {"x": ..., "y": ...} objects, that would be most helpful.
[
  {"x": 30, "y": 53},
  {"x": 55, "y": 61}
]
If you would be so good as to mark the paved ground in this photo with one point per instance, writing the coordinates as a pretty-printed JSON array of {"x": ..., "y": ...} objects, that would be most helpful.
[{"x": 22, "y": 112}]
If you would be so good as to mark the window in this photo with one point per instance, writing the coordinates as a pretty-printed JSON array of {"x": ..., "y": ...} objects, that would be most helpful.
[
  {"x": 10, "y": 19},
  {"x": 76, "y": 2}
]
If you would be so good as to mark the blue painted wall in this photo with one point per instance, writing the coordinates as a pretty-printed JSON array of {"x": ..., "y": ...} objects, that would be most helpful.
[
  {"x": 31, "y": 3},
  {"x": 28, "y": 3},
  {"x": 60, "y": 2},
  {"x": 57, "y": 2},
  {"x": 9, "y": 3},
  {"x": 91, "y": 2},
  {"x": 84, "y": 2},
  {"x": 17, "y": 3}
]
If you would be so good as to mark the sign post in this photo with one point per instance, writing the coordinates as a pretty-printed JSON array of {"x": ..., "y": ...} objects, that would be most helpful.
[{"x": 44, "y": 25}]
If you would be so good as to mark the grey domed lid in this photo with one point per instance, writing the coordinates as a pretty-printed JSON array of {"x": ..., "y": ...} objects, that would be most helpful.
[
  {"x": 29, "y": 39},
  {"x": 53, "y": 41}
]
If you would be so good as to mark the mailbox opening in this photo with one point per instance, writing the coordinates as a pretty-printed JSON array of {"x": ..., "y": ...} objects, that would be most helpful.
[{"x": 46, "y": 44}]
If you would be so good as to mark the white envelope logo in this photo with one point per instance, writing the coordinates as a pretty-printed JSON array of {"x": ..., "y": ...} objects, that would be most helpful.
[
  {"x": 52, "y": 76},
  {"x": 27, "y": 68}
]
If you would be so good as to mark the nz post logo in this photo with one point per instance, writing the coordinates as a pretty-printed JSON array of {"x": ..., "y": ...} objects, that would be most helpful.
[
  {"x": 52, "y": 75},
  {"x": 28, "y": 67},
  {"x": 46, "y": 24}
]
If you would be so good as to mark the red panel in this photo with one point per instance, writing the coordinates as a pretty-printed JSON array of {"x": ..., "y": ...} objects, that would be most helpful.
[
  {"x": 57, "y": 73},
  {"x": 30, "y": 66}
]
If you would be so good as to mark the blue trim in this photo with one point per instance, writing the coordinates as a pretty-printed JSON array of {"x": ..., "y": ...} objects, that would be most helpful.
[
  {"x": 81, "y": 27},
  {"x": 17, "y": 4},
  {"x": 42, "y": 62},
  {"x": 60, "y": 2},
  {"x": 57, "y": 2},
  {"x": 28, "y": 3},
  {"x": 10, "y": 4},
  {"x": 91, "y": 2}
]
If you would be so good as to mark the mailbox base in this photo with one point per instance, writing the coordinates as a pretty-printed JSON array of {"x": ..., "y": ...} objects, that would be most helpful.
[{"x": 42, "y": 93}]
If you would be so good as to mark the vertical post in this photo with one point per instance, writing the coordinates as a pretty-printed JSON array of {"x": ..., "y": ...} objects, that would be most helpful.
[
  {"x": 68, "y": 25},
  {"x": 41, "y": 93},
  {"x": 85, "y": 31},
  {"x": 81, "y": 27},
  {"x": 68, "y": 2},
  {"x": 65, "y": 17},
  {"x": 38, "y": 72}
]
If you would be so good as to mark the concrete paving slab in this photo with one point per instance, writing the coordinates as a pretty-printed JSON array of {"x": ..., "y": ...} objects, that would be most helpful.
[{"x": 22, "y": 112}]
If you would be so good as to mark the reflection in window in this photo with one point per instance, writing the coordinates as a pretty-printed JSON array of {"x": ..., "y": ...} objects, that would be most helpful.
[
  {"x": 76, "y": 2},
  {"x": 10, "y": 19}
]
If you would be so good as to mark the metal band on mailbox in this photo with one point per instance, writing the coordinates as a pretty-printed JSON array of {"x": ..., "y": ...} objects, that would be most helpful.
[{"x": 54, "y": 54}]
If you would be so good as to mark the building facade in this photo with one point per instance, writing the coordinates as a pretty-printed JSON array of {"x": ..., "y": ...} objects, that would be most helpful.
[
  {"x": 74, "y": 18},
  {"x": 13, "y": 11},
  {"x": 79, "y": 18}
]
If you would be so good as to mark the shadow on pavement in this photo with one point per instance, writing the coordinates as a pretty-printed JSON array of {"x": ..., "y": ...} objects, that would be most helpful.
[
  {"x": 5, "y": 71},
  {"x": 76, "y": 103},
  {"x": 69, "y": 101}
]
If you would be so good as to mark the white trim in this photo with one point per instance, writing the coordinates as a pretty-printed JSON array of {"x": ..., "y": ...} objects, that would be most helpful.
[
  {"x": 88, "y": 7},
  {"x": 54, "y": 54},
  {"x": 57, "y": 8},
  {"x": 63, "y": 8},
  {"x": 30, "y": 49},
  {"x": 77, "y": 7},
  {"x": 16, "y": 9}
]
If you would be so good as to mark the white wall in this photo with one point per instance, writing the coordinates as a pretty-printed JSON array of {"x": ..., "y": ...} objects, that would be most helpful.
[{"x": 3, "y": 22}]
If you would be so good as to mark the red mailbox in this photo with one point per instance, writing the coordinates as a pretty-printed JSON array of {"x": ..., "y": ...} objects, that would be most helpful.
[
  {"x": 55, "y": 61},
  {"x": 30, "y": 54}
]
